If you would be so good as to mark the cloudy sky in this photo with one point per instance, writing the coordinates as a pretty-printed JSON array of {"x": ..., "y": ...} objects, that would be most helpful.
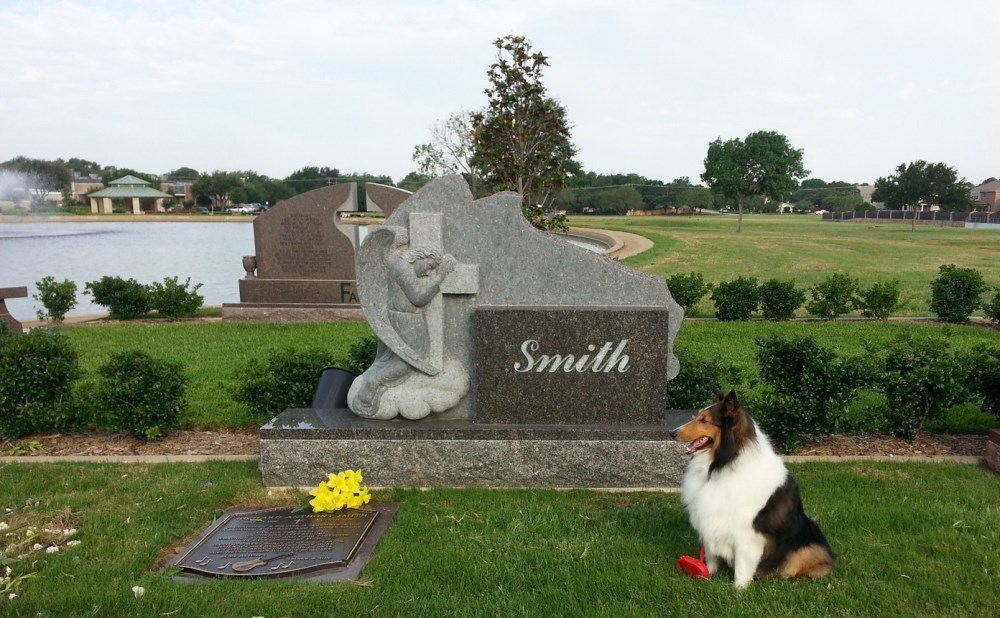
[{"x": 860, "y": 86}]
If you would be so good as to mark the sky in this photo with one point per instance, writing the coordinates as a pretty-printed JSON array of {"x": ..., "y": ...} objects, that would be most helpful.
[{"x": 860, "y": 86}]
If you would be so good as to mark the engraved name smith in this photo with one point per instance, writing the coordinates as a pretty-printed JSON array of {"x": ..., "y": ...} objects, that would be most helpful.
[{"x": 602, "y": 360}]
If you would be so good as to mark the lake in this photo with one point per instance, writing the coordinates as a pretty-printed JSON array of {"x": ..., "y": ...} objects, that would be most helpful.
[{"x": 208, "y": 253}]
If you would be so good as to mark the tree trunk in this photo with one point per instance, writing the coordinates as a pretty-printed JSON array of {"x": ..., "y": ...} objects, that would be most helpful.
[{"x": 739, "y": 219}]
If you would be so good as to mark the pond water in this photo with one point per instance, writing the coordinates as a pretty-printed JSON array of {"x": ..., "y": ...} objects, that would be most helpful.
[{"x": 208, "y": 253}]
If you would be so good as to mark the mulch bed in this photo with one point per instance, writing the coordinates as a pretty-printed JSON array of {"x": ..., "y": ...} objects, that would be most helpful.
[{"x": 248, "y": 443}]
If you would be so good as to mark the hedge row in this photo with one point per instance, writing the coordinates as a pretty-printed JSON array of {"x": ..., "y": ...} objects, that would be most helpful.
[
  {"x": 41, "y": 390},
  {"x": 123, "y": 298},
  {"x": 806, "y": 390},
  {"x": 955, "y": 294}
]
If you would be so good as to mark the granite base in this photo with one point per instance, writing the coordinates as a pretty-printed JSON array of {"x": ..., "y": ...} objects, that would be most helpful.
[
  {"x": 300, "y": 446},
  {"x": 288, "y": 312}
]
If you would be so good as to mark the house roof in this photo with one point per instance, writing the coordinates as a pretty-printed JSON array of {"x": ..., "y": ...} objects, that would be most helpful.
[
  {"x": 990, "y": 186},
  {"x": 129, "y": 186},
  {"x": 128, "y": 180}
]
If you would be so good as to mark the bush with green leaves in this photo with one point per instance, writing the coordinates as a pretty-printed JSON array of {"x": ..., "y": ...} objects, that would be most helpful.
[
  {"x": 879, "y": 300},
  {"x": 56, "y": 298},
  {"x": 992, "y": 307},
  {"x": 981, "y": 365},
  {"x": 779, "y": 300},
  {"x": 687, "y": 289},
  {"x": 697, "y": 381},
  {"x": 37, "y": 373},
  {"x": 736, "y": 300},
  {"x": 140, "y": 394},
  {"x": 956, "y": 293},
  {"x": 361, "y": 354},
  {"x": 173, "y": 300},
  {"x": 284, "y": 379},
  {"x": 920, "y": 378},
  {"x": 833, "y": 296},
  {"x": 808, "y": 388},
  {"x": 124, "y": 299}
]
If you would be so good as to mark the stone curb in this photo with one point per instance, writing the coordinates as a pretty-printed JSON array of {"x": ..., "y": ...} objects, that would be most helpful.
[
  {"x": 127, "y": 459},
  {"x": 148, "y": 459}
]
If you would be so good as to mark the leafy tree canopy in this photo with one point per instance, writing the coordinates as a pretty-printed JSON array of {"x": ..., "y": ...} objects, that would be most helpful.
[
  {"x": 183, "y": 173},
  {"x": 450, "y": 151},
  {"x": 521, "y": 142},
  {"x": 919, "y": 184},
  {"x": 37, "y": 176},
  {"x": 763, "y": 164}
]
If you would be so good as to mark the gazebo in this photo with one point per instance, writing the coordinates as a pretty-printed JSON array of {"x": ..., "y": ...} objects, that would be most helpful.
[{"x": 130, "y": 187}]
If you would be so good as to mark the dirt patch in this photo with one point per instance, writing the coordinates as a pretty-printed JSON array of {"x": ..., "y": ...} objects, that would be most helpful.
[
  {"x": 248, "y": 443},
  {"x": 112, "y": 443},
  {"x": 925, "y": 445}
]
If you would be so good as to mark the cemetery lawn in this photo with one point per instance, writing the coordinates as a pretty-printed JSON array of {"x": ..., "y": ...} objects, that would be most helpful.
[
  {"x": 806, "y": 249},
  {"x": 215, "y": 354},
  {"x": 913, "y": 539}
]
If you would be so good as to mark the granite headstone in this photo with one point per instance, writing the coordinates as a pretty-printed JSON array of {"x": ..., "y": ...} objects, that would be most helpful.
[{"x": 531, "y": 361}]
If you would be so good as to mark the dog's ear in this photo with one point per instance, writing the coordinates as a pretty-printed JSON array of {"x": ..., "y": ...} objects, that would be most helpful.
[{"x": 731, "y": 405}]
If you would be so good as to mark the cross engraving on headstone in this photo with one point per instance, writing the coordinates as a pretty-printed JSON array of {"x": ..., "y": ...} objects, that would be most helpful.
[{"x": 426, "y": 230}]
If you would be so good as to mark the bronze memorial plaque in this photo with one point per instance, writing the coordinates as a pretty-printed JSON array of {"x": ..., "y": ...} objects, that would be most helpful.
[{"x": 277, "y": 543}]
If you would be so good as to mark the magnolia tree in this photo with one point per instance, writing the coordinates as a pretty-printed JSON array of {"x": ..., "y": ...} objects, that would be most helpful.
[{"x": 521, "y": 141}]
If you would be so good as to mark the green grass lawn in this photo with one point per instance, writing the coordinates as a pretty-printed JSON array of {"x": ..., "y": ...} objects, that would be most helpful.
[
  {"x": 913, "y": 540},
  {"x": 806, "y": 249}
]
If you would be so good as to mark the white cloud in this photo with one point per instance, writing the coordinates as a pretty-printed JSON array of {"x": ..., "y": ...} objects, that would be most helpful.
[{"x": 274, "y": 86}]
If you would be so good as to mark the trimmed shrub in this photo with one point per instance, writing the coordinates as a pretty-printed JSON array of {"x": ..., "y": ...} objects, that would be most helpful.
[
  {"x": 688, "y": 289},
  {"x": 921, "y": 379},
  {"x": 123, "y": 298},
  {"x": 982, "y": 370},
  {"x": 956, "y": 293},
  {"x": 779, "y": 300},
  {"x": 736, "y": 300},
  {"x": 697, "y": 381},
  {"x": 809, "y": 388},
  {"x": 832, "y": 297},
  {"x": 285, "y": 379},
  {"x": 141, "y": 394},
  {"x": 57, "y": 298},
  {"x": 37, "y": 372},
  {"x": 992, "y": 308},
  {"x": 173, "y": 300},
  {"x": 878, "y": 301},
  {"x": 361, "y": 354}
]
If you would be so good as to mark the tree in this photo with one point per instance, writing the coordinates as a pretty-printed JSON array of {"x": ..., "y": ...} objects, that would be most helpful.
[
  {"x": 695, "y": 197},
  {"x": 183, "y": 173},
  {"x": 37, "y": 176},
  {"x": 450, "y": 150},
  {"x": 764, "y": 164},
  {"x": 522, "y": 141},
  {"x": 413, "y": 181},
  {"x": 309, "y": 178},
  {"x": 111, "y": 172},
  {"x": 217, "y": 186},
  {"x": 920, "y": 184}
]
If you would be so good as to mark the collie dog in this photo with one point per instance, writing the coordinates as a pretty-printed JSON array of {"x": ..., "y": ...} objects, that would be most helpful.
[{"x": 742, "y": 501}]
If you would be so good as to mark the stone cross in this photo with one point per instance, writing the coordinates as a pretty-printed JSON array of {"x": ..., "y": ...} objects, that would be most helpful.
[{"x": 426, "y": 230}]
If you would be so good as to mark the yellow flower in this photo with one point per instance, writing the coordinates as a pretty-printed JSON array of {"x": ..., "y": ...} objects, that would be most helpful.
[{"x": 338, "y": 491}]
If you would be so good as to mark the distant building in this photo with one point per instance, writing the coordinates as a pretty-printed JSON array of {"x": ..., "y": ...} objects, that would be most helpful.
[
  {"x": 866, "y": 192},
  {"x": 143, "y": 197},
  {"x": 987, "y": 196},
  {"x": 80, "y": 186}
]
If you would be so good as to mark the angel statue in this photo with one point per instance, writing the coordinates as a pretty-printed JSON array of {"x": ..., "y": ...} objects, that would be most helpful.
[{"x": 396, "y": 283}]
